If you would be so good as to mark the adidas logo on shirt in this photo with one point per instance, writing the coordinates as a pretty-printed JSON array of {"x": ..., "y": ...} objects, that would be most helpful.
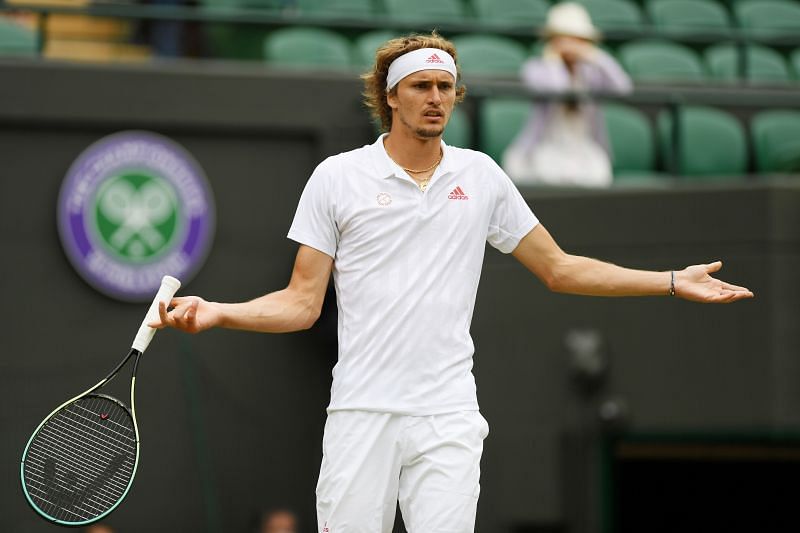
[
  {"x": 434, "y": 59},
  {"x": 457, "y": 194}
]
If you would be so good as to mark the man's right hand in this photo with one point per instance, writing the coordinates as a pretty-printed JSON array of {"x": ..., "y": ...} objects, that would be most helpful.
[{"x": 191, "y": 314}]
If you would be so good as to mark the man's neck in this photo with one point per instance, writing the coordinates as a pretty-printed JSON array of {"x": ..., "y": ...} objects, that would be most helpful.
[{"x": 411, "y": 151}]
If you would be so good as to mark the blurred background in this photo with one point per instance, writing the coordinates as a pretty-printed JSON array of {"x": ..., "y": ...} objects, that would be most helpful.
[{"x": 606, "y": 415}]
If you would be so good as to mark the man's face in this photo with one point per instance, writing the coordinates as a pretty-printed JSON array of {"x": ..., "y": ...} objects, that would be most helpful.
[{"x": 422, "y": 102}]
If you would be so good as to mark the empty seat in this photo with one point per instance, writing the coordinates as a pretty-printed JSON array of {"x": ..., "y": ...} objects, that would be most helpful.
[
  {"x": 682, "y": 17},
  {"x": 614, "y": 14},
  {"x": 16, "y": 40},
  {"x": 500, "y": 119},
  {"x": 489, "y": 55},
  {"x": 768, "y": 18},
  {"x": 660, "y": 61},
  {"x": 367, "y": 44},
  {"x": 526, "y": 13},
  {"x": 794, "y": 59},
  {"x": 300, "y": 47},
  {"x": 459, "y": 129},
  {"x": 761, "y": 64},
  {"x": 711, "y": 142},
  {"x": 776, "y": 140},
  {"x": 427, "y": 12},
  {"x": 357, "y": 9},
  {"x": 631, "y": 139}
]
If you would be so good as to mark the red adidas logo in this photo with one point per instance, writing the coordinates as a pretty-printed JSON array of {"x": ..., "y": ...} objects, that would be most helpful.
[
  {"x": 434, "y": 59},
  {"x": 457, "y": 194}
]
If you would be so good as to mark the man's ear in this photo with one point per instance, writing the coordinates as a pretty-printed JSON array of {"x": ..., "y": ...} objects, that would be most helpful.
[{"x": 391, "y": 98}]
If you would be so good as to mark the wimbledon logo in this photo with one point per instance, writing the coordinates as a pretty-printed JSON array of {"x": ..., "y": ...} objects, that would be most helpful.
[{"x": 133, "y": 207}]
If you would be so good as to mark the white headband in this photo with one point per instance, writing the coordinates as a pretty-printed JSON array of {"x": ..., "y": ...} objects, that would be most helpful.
[{"x": 416, "y": 60}]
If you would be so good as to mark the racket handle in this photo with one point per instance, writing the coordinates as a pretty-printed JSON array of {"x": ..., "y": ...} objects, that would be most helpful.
[{"x": 169, "y": 286}]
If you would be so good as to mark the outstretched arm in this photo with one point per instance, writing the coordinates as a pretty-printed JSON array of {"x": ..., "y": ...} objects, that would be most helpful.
[
  {"x": 294, "y": 308},
  {"x": 573, "y": 274}
]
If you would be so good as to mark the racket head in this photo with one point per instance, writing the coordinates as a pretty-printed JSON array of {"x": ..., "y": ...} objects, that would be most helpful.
[{"x": 80, "y": 462}]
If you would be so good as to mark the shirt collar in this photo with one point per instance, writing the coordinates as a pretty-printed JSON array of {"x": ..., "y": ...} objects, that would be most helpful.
[{"x": 389, "y": 169}]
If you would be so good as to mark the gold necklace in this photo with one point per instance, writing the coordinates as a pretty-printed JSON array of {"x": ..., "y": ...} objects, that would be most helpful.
[{"x": 424, "y": 183}]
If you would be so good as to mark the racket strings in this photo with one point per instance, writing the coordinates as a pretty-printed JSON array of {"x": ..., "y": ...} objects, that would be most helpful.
[{"x": 81, "y": 461}]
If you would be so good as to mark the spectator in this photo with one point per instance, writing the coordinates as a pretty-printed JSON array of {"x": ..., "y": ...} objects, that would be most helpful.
[
  {"x": 565, "y": 142},
  {"x": 278, "y": 521}
]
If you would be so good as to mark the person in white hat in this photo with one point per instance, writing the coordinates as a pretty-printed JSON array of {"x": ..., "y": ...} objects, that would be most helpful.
[
  {"x": 565, "y": 142},
  {"x": 402, "y": 225}
]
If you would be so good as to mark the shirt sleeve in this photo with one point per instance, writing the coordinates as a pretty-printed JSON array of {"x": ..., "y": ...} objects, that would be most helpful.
[
  {"x": 314, "y": 224},
  {"x": 511, "y": 218}
]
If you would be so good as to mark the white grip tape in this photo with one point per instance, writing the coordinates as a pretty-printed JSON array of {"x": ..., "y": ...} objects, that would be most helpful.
[{"x": 169, "y": 286}]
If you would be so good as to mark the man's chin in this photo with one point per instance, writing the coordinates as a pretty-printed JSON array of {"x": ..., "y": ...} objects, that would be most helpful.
[{"x": 430, "y": 132}]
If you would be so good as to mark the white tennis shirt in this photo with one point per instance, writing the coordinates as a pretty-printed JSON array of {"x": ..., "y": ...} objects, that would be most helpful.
[{"x": 406, "y": 270}]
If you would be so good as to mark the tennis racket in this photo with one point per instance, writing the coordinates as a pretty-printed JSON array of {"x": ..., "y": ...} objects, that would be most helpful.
[{"x": 79, "y": 464}]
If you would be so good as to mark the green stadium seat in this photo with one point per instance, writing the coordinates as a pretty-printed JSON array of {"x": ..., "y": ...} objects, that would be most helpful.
[
  {"x": 236, "y": 41},
  {"x": 711, "y": 142},
  {"x": 459, "y": 129},
  {"x": 776, "y": 140},
  {"x": 614, "y": 15},
  {"x": 426, "y": 12},
  {"x": 527, "y": 13},
  {"x": 769, "y": 18},
  {"x": 661, "y": 61},
  {"x": 489, "y": 55},
  {"x": 355, "y": 9},
  {"x": 763, "y": 64},
  {"x": 300, "y": 48},
  {"x": 500, "y": 119},
  {"x": 367, "y": 44},
  {"x": 631, "y": 139},
  {"x": 794, "y": 59},
  {"x": 684, "y": 17},
  {"x": 16, "y": 40}
]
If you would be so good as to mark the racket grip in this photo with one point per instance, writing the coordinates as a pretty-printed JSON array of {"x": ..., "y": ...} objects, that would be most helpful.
[{"x": 169, "y": 286}]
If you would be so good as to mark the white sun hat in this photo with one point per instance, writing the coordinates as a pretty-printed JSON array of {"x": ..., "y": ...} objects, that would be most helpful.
[{"x": 571, "y": 19}]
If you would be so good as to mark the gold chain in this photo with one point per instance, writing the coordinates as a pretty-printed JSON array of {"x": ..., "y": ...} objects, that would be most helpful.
[{"x": 410, "y": 171}]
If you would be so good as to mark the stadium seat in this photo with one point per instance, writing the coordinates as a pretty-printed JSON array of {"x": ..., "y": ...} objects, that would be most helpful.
[
  {"x": 367, "y": 44},
  {"x": 711, "y": 142},
  {"x": 489, "y": 55},
  {"x": 794, "y": 60},
  {"x": 683, "y": 17},
  {"x": 299, "y": 47},
  {"x": 527, "y": 13},
  {"x": 426, "y": 12},
  {"x": 16, "y": 40},
  {"x": 660, "y": 61},
  {"x": 459, "y": 130},
  {"x": 776, "y": 140},
  {"x": 631, "y": 140},
  {"x": 762, "y": 64},
  {"x": 356, "y": 9},
  {"x": 614, "y": 14},
  {"x": 500, "y": 119},
  {"x": 768, "y": 18}
]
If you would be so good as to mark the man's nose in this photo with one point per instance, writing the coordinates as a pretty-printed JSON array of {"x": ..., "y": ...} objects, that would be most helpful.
[{"x": 434, "y": 95}]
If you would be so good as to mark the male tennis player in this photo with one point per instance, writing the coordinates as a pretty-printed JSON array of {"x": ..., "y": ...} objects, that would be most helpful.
[{"x": 402, "y": 224}]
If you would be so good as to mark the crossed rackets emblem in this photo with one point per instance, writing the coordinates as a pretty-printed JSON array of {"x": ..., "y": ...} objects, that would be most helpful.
[{"x": 136, "y": 215}]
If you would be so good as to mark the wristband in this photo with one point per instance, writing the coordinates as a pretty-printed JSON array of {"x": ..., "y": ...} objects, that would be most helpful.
[{"x": 672, "y": 283}]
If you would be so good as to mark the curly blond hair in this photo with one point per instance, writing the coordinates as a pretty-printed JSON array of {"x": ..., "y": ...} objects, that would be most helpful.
[{"x": 375, "y": 79}]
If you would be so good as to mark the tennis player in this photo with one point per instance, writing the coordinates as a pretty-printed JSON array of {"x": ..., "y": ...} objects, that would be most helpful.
[{"x": 402, "y": 224}]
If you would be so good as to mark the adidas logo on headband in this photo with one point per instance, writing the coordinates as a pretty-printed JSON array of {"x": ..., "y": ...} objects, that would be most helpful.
[{"x": 434, "y": 59}]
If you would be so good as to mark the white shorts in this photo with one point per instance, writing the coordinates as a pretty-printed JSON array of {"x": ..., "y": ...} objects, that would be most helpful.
[{"x": 430, "y": 464}]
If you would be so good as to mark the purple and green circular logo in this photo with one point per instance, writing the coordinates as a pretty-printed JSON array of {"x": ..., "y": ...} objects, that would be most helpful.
[{"x": 133, "y": 207}]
